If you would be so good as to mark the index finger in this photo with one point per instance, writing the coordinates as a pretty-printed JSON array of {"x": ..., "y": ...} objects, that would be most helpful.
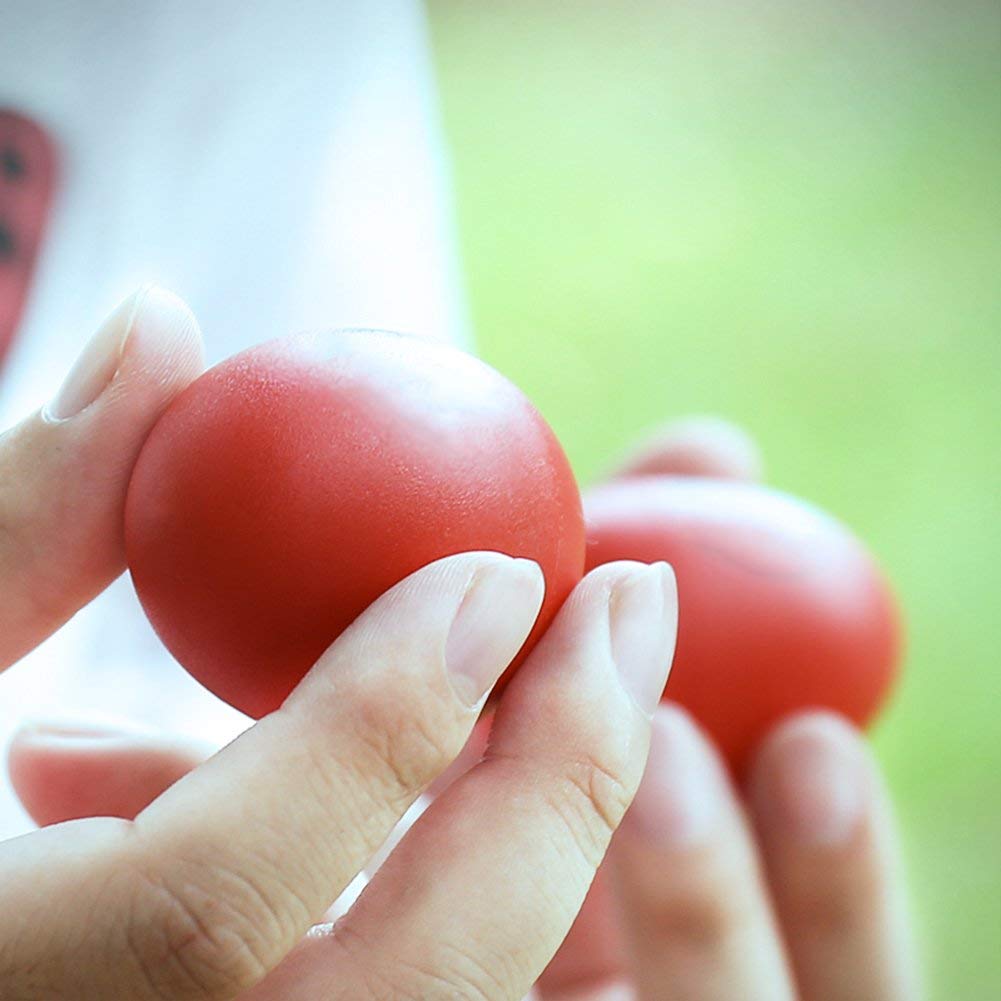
[{"x": 216, "y": 881}]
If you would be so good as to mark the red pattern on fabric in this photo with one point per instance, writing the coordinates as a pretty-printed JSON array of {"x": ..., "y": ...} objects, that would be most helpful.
[{"x": 28, "y": 165}]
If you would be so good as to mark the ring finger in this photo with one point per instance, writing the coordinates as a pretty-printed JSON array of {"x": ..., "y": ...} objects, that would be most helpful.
[{"x": 696, "y": 918}]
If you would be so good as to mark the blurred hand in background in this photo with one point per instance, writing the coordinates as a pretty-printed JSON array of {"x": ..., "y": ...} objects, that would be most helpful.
[{"x": 781, "y": 887}]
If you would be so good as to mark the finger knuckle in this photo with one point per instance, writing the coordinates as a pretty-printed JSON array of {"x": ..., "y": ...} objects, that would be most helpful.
[
  {"x": 831, "y": 906},
  {"x": 591, "y": 801},
  {"x": 440, "y": 972},
  {"x": 408, "y": 746},
  {"x": 699, "y": 919},
  {"x": 190, "y": 938},
  {"x": 455, "y": 972}
]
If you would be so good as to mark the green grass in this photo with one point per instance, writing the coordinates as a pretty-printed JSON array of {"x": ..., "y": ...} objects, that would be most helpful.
[{"x": 787, "y": 214}]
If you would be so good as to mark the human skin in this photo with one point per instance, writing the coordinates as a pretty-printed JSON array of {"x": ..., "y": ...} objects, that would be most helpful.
[{"x": 206, "y": 879}]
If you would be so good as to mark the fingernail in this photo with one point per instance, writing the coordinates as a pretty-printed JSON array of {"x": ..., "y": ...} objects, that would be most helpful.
[
  {"x": 96, "y": 365},
  {"x": 683, "y": 789},
  {"x": 643, "y": 622},
  {"x": 496, "y": 615},
  {"x": 810, "y": 783}
]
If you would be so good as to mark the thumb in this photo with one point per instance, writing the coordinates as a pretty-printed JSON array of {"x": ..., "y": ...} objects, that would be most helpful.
[{"x": 65, "y": 469}]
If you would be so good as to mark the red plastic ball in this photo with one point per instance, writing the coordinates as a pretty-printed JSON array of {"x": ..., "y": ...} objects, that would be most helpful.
[
  {"x": 781, "y": 608},
  {"x": 288, "y": 487}
]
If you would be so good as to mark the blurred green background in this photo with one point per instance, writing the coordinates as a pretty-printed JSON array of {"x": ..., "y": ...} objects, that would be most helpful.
[{"x": 788, "y": 214}]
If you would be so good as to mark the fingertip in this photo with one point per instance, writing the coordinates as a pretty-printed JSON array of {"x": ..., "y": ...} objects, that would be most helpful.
[
  {"x": 33, "y": 743},
  {"x": 673, "y": 728},
  {"x": 150, "y": 339},
  {"x": 470, "y": 612},
  {"x": 64, "y": 770},
  {"x": 642, "y": 617},
  {"x": 805, "y": 731},
  {"x": 697, "y": 446},
  {"x": 597, "y": 586},
  {"x": 618, "y": 625},
  {"x": 164, "y": 346},
  {"x": 811, "y": 780},
  {"x": 583, "y": 631},
  {"x": 499, "y": 604}
]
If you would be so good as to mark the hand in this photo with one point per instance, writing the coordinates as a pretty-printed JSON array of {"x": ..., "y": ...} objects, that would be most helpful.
[
  {"x": 214, "y": 889},
  {"x": 787, "y": 887}
]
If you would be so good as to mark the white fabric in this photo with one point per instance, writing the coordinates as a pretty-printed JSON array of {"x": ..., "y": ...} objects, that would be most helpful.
[{"x": 278, "y": 165}]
